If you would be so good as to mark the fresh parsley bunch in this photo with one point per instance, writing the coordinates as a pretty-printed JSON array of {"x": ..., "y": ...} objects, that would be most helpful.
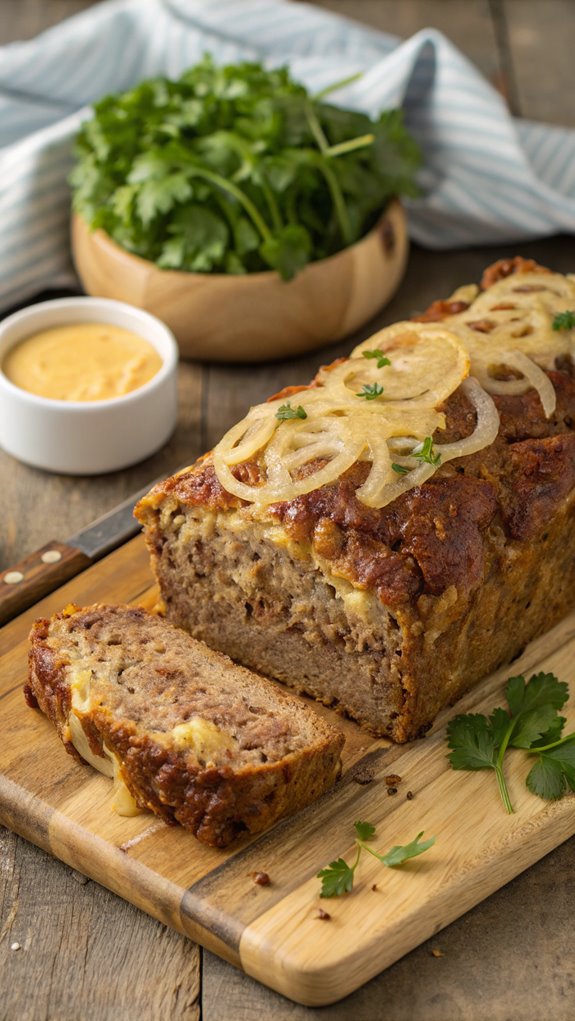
[{"x": 237, "y": 169}]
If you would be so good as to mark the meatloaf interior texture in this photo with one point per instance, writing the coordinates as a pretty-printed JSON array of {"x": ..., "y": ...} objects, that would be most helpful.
[
  {"x": 195, "y": 738},
  {"x": 388, "y": 614}
]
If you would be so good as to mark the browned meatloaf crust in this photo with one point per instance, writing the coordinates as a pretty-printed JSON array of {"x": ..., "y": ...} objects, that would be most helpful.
[
  {"x": 387, "y": 614},
  {"x": 196, "y": 739}
]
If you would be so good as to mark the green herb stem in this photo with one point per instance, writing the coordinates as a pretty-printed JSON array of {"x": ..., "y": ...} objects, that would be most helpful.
[
  {"x": 242, "y": 198},
  {"x": 316, "y": 128},
  {"x": 499, "y": 768},
  {"x": 358, "y": 855},
  {"x": 503, "y": 790},
  {"x": 337, "y": 199},
  {"x": 361, "y": 142},
  {"x": 330, "y": 178},
  {"x": 272, "y": 206},
  {"x": 340, "y": 148},
  {"x": 549, "y": 747},
  {"x": 370, "y": 850},
  {"x": 291, "y": 208},
  {"x": 336, "y": 86}
]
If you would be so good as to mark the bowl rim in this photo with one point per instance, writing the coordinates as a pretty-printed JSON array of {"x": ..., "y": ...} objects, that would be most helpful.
[
  {"x": 394, "y": 206},
  {"x": 169, "y": 356}
]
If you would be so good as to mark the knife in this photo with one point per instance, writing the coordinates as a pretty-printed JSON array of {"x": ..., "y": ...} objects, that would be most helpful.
[{"x": 49, "y": 567}]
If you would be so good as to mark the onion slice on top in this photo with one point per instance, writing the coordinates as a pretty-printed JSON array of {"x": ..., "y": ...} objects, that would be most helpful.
[
  {"x": 536, "y": 377},
  {"x": 427, "y": 362},
  {"x": 381, "y": 490},
  {"x": 486, "y": 426},
  {"x": 244, "y": 440},
  {"x": 416, "y": 477},
  {"x": 377, "y": 409}
]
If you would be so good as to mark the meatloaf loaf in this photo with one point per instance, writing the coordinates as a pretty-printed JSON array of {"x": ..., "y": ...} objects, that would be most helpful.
[
  {"x": 183, "y": 731},
  {"x": 382, "y": 575}
]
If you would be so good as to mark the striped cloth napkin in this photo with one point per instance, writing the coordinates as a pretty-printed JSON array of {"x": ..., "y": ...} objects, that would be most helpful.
[{"x": 487, "y": 177}]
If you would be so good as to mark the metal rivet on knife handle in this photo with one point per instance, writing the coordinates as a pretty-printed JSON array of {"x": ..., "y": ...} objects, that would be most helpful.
[
  {"x": 13, "y": 577},
  {"x": 51, "y": 556},
  {"x": 39, "y": 573}
]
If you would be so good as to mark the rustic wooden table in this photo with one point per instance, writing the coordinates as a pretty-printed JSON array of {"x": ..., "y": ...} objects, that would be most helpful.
[{"x": 87, "y": 954}]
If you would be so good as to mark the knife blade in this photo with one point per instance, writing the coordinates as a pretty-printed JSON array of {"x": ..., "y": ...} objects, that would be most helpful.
[{"x": 47, "y": 568}]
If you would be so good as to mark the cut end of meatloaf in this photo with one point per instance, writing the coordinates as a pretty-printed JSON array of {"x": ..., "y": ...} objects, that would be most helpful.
[
  {"x": 243, "y": 585},
  {"x": 183, "y": 731}
]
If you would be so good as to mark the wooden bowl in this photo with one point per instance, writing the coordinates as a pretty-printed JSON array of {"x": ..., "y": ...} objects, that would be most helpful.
[{"x": 256, "y": 317}]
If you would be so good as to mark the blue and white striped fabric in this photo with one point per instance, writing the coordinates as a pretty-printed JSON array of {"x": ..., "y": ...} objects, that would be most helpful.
[{"x": 487, "y": 177}]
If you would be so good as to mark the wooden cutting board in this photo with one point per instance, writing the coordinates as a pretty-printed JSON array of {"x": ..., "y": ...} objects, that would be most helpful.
[{"x": 275, "y": 933}]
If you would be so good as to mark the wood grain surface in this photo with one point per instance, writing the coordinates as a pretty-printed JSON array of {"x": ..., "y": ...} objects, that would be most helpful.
[
  {"x": 275, "y": 932},
  {"x": 81, "y": 947}
]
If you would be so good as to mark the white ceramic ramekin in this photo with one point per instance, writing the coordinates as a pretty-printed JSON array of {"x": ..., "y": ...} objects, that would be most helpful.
[{"x": 88, "y": 438}]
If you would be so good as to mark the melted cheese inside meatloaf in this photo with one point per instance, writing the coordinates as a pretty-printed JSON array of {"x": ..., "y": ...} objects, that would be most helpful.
[{"x": 131, "y": 686}]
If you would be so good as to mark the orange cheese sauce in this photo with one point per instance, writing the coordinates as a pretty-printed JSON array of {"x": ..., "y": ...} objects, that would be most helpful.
[{"x": 82, "y": 362}]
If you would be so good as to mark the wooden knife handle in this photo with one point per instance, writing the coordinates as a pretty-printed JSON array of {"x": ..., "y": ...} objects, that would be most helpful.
[{"x": 37, "y": 575}]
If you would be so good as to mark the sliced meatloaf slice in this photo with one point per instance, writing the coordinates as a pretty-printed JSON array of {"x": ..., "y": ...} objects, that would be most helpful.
[{"x": 184, "y": 731}]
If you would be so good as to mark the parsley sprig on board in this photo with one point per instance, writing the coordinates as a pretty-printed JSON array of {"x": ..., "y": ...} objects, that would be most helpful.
[
  {"x": 237, "y": 169},
  {"x": 338, "y": 877},
  {"x": 532, "y": 722}
]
